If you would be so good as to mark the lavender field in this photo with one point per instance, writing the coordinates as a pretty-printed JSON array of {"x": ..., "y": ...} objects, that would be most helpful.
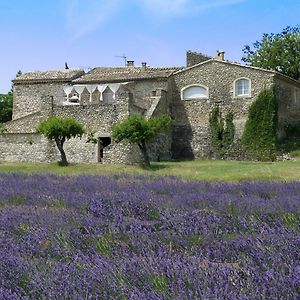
[{"x": 129, "y": 237}]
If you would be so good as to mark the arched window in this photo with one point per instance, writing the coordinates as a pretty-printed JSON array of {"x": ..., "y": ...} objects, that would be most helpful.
[
  {"x": 194, "y": 91},
  {"x": 242, "y": 87}
]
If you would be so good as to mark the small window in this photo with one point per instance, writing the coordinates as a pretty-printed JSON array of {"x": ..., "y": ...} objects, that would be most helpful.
[
  {"x": 242, "y": 87},
  {"x": 194, "y": 92}
]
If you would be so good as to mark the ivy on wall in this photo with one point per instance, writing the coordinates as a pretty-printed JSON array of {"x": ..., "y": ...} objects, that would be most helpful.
[
  {"x": 259, "y": 137},
  {"x": 222, "y": 133}
]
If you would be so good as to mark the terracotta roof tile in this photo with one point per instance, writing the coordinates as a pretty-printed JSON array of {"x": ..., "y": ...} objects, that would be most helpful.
[
  {"x": 53, "y": 75},
  {"x": 103, "y": 74}
]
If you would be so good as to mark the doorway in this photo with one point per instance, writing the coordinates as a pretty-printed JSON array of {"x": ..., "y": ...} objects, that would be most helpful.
[{"x": 102, "y": 143}]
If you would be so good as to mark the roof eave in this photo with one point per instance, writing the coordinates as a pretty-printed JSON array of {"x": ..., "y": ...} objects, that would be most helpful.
[{"x": 96, "y": 81}]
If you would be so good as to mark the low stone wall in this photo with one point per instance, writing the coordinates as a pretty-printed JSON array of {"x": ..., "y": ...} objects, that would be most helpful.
[{"x": 26, "y": 148}]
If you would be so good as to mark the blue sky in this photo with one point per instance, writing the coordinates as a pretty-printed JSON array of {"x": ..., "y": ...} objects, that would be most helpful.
[{"x": 43, "y": 34}]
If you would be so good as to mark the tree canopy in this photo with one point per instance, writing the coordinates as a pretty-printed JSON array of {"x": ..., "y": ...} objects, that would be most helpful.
[
  {"x": 138, "y": 130},
  {"x": 59, "y": 130},
  {"x": 280, "y": 52},
  {"x": 6, "y": 103}
]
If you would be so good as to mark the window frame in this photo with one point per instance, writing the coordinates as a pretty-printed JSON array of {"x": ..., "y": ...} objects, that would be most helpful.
[
  {"x": 235, "y": 89},
  {"x": 196, "y": 98}
]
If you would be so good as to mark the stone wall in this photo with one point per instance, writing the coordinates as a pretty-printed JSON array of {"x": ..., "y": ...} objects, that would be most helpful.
[
  {"x": 193, "y": 58},
  {"x": 191, "y": 129},
  {"x": 97, "y": 118},
  {"x": 27, "y": 97},
  {"x": 31, "y": 147},
  {"x": 144, "y": 91},
  {"x": 160, "y": 148},
  {"x": 288, "y": 94}
]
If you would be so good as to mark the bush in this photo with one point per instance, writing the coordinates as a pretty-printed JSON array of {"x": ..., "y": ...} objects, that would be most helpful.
[{"x": 259, "y": 137}]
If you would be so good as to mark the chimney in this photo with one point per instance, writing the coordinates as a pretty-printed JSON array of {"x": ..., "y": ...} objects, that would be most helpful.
[
  {"x": 144, "y": 66},
  {"x": 130, "y": 63},
  {"x": 220, "y": 55}
]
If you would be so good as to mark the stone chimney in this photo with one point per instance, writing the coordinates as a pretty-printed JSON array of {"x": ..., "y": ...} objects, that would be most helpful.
[
  {"x": 130, "y": 63},
  {"x": 194, "y": 58},
  {"x": 144, "y": 66},
  {"x": 220, "y": 55}
]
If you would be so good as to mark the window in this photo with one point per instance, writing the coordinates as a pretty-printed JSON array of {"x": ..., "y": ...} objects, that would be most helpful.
[
  {"x": 194, "y": 92},
  {"x": 242, "y": 87}
]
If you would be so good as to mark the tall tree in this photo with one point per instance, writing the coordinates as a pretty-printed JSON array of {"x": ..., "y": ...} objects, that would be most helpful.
[
  {"x": 6, "y": 102},
  {"x": 59, "y": 130},
  {"x": 138, "y": 130},
  {"x": 280, "y": 52}
]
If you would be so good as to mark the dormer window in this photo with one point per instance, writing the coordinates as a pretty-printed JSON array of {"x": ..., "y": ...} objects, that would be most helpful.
[
  {"x": 242, "y": 87},
  {"x": 194, "y": 91}
]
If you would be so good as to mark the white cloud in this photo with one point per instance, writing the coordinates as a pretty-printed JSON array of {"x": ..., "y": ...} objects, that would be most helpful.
[
  {"x": 83, "y": 16},
  {"x": 175, "y": 8},
  {"x": 165, "y": 7}
]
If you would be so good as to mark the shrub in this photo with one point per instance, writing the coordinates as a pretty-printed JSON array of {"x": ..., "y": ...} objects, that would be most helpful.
[{"x": 259, "y": 137}]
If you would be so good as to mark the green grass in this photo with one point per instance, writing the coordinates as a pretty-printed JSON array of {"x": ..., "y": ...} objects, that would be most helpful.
[{"x": 212, "y": 170}]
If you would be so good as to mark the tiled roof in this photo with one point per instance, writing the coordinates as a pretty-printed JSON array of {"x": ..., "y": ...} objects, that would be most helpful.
[
  {"x": 53, "y": 75},
  {"x": 98, "y": 75}
]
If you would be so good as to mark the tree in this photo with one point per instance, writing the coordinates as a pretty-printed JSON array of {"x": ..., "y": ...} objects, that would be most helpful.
[
  {"x": 59, "y": 130},
  {"x": 6, "y": 102},
  {"x": 259, "y": 136},
  {"x": 138, "y": 130},
  {"x": 280, "y": 52}
]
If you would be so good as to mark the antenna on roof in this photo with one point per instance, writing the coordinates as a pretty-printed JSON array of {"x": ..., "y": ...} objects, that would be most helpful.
[
  {"x": 124, "y": 58},
  {"x": 89, "y": 68}
]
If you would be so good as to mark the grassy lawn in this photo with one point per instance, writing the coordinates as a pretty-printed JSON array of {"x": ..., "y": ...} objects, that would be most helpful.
[{"x": 212, "y": 170}]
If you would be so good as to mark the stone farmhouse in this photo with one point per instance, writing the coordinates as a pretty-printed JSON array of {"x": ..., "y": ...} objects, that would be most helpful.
[{"x": 104, "y": 96}]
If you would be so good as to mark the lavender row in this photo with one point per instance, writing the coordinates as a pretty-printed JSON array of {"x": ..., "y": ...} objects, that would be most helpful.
[{"x": 125, "y": 237}]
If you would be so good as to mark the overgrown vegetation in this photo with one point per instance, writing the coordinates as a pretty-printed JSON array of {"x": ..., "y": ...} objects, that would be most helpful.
[
  {"x": 291, "y": 143},
  {"x": 259, "y": 137},
  {"x": 222, "y": 135}
]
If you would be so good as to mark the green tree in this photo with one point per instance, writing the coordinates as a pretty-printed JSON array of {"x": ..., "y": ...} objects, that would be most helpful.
[
  {"x": 138, "y": 130},
  {"x": 59, "y": 130},
  {"x": 6, "y": 103},
  {"x": 259, "y": 136},
  {"x": 280, "y": 52}
]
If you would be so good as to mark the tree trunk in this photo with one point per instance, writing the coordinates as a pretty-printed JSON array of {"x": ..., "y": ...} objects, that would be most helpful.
[
  {"x": 144, "y": 151},
  {"x": 60, "y": 144}
]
